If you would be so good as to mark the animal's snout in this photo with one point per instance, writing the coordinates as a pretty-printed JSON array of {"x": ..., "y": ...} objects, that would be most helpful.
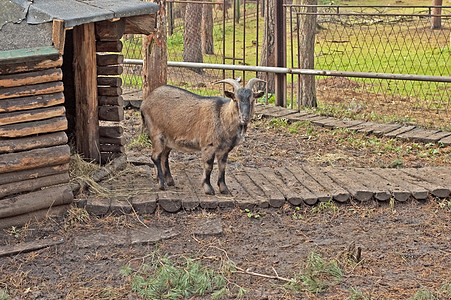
[{"x": 244, "y": 120}]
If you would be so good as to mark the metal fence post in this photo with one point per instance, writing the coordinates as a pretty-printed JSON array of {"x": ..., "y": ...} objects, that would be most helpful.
[{"x": 280, "y": 53}]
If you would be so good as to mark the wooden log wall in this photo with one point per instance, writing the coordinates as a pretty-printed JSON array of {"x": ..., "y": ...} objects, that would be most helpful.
[
  {"x": 109, "y": 88},
  {"x": 34, "y": 154}
]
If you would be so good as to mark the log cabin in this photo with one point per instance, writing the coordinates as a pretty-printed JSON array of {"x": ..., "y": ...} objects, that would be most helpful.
[{"x": 60, "y": 85}]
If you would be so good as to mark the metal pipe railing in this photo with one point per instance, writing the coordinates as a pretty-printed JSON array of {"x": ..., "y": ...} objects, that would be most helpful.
[{"x": 299, "y": 71}]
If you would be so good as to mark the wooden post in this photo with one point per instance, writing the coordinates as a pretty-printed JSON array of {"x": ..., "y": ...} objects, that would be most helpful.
[
  {"x": 85, "y": 81},
  {"x": 59, "y": 35},
  {"x": 155, "y": 55},
  {"x": 280, "y": 52},
  {"x": 307, "y": 27}
]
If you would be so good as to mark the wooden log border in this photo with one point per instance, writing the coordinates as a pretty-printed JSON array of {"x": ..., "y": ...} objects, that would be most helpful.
[
  {"x": 35, "y": 127},
  {"x": 33, "y": 142},
  {"x": 32, "y": 102},
  {"x": 19, "y": 220},
  {"x": 35, "y": 201},
  {"x": 19, "y": 176},
  {"x": 36, "y": 158},
  {"x": 30, "y": 78},
  {"x": 31, "y": 185},
  {"x": 32, "y": 115},
  {"x": 31, "y": 90}
]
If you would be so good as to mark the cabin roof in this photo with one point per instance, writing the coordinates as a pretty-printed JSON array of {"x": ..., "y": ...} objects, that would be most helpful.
[{"x": 73, "y": 12}]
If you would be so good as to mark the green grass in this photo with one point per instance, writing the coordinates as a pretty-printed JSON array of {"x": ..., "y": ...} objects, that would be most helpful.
[
  {"x": 324, "y": 207},
  {"x": 132, "y": 81},
  {"x": 318, "y": 275},
  {"x": 423, "y": 294},
  {"x": 141, "y": 141},
  {"x": 4, "y": 295},
  {"x": 164, "y": 278},
  {"x": 444, "y": 292},
  {"x": 357, "y": 295}
]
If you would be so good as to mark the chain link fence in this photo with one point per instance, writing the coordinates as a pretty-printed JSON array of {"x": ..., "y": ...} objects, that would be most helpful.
[
  {"x": 377, "y": 39},
  {"x": 382, "y": 39},
  {"x": 227, "y": 21}
]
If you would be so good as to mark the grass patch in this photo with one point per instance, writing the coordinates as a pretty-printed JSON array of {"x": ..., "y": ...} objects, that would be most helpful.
[
  {"x": 357, "y": 295},
  {"x": 423, "y": 294},
  {"x": 140, "y": 141},
  {"x": 325, "y": 207},
  {"x": 318, "y": 275},
  {"x": 164, "y": 278},
  {"x": 4, "y": 295},
  {"x": 444, "y": 292},
  {"x": 445, "y": 289}
]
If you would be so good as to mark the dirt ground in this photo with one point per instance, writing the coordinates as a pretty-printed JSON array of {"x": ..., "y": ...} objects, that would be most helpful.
[{"x": 405, "y": 247}]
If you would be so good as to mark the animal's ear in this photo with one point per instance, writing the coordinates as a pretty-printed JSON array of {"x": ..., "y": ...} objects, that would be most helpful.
[
  {"x": 258, "y": 94},
  {"x": 229, "y": 94}
]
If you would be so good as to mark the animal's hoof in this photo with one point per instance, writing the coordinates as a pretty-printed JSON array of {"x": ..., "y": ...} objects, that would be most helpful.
[
  {"x": 170, "y": 182},
  {"x": 225, "y": 191},
  {"x": 162, "y": 187},
  {"x": 209, "y": 190}
]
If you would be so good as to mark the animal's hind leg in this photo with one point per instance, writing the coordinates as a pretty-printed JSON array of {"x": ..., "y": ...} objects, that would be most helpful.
[
  {"x": 157, "y": 155},
  {"x": 208, "y": 157},
  {"x": 165, "y": 165},
  {"x": 222, "y": 163}
]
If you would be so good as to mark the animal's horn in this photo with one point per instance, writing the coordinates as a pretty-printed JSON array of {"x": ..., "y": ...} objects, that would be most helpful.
[
  {"x": 232, "y": 82},
  {"x": 253, "y": 81}
]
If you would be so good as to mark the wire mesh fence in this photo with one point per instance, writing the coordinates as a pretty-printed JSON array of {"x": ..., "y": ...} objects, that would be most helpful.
[
  {"x": 384, "y": 39},
  {"x": 381, "y": 39}
]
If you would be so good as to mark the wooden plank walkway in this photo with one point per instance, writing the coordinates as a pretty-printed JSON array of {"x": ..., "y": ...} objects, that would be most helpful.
[
  {"x": 296, "y": 185},
  {"x": 403, "y": 132}
]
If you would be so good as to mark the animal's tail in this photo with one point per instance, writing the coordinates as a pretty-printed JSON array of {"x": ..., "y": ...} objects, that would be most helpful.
[{"x": 144, "y": 129}]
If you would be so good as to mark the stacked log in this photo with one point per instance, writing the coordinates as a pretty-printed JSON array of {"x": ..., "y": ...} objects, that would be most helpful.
[
  {"x": 34, "y": 155},
  {"x": 109, "y": 82}
]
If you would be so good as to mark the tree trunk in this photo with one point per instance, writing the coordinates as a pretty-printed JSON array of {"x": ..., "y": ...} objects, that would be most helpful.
[
  {"x": 192, "y": 51},
  {"x": 268, "y": 57},
  {"x": 307, "y": 27},
  {"x": 436, "y": 20},
  {"x": 207, "y": 29},
  {"x": 155, "y": 50}
]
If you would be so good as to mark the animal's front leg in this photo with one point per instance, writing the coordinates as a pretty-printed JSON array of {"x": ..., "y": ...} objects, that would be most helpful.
[
  {"x": 165, "y": 167},
  {"x": 157, "y": 161},
  {"x": 158, "y": 147},
  {"x": 208, "y": 157},
  {"x": 222, "y": 163}
]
